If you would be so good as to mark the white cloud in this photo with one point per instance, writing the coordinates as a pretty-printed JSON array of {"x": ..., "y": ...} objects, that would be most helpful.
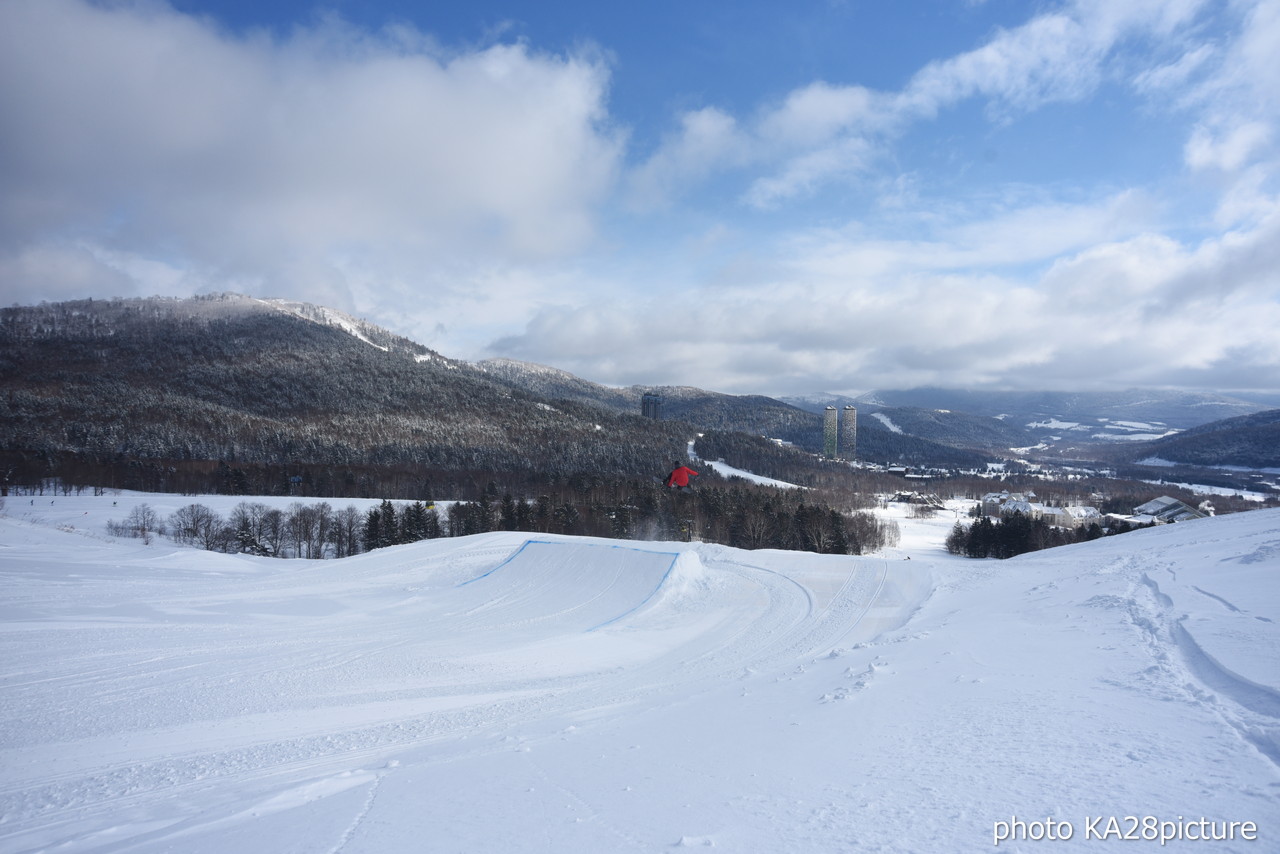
[
  {"x": 801, "y": 175},
  {"x": 815, "y": 132},
  {"x": 1008, "y": 233},
  {"x": 1053, "y": 57},
  {"x": 293, "y": 159},
  {"x": 1228, "y": 150},
  {"x": 842, "y": 309},
  {"x": 708, "y": 139},
  {"x": 825, "y": 133},
  {"x": 1247, "y": 198},
  {"x": 1248, "y": 71},
  {"x": 817, "y": 113},
  {"x": 1239, "y": 97},
  {"x": 1173, "y": 76},
  {"x": 54, "y": 272},
  {"x": 1057, "y": 56}
]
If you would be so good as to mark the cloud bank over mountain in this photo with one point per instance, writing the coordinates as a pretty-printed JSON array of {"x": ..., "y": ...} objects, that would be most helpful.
[{"x": 1083, "y": 196}]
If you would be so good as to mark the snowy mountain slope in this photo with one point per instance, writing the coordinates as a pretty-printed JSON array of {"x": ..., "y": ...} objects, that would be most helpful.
[
  {"x": 371, "y": 334},
  {"x": 1251, "y": 441},
  {"x": 497, "y": 693},
  {"x": 148, "y": 390}
]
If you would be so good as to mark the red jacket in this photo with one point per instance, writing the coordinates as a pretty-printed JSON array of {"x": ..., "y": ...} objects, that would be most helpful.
[{"x": 680, "y": 476}]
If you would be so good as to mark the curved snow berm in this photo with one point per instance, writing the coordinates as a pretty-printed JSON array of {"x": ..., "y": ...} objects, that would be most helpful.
[
  {"x": 526, "y": 694},
  {"x": 569, "y": 586}
]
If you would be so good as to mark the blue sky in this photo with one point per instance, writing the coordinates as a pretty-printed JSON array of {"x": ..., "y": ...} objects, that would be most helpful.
[{"x": 749, "y": 197}]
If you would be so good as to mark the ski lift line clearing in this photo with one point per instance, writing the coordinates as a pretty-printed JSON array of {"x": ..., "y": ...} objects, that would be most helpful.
[{"x": 635, "y": 586}]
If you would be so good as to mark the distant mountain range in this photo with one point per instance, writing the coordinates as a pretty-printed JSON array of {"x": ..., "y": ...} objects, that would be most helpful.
[
  {"x": 235, "y": 380},
  {"x": 251, "y": 382},
  {"x": 1047, "y": 424}
]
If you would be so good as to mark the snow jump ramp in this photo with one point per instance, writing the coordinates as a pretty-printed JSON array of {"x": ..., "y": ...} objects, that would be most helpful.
[{"x": 566, "y": 587}]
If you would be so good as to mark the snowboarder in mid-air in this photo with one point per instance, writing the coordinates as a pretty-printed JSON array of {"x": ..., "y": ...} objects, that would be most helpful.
[{"x": 679, "y": 477}]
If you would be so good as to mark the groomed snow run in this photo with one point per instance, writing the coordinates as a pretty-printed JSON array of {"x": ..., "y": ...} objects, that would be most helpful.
[
  {"x": 530, "y": 693},
  {"x": 725, "y": 470}
]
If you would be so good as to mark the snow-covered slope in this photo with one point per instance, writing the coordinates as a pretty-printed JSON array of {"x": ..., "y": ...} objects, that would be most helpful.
[
  {"x": 548, "y": 694},
  {"x": 369, "y": 333}
]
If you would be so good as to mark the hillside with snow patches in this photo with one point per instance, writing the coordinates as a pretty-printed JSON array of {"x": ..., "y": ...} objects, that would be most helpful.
[{"x": 518, "y": 693}]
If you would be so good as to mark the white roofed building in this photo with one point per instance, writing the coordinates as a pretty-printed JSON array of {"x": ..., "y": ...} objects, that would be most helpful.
[{"x": 1164, "y": 510}]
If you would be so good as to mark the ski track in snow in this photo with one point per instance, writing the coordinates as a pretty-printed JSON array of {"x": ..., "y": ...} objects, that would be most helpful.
[
  {"x": 1249, "y": 707},
  {"x": 175, "y": 670},
  {"x": 630, "y": 696}
]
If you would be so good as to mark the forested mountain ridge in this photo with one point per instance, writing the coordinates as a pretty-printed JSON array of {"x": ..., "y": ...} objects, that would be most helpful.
[
  {"x": 960, "y": 429},
  {"x": 239, "y": 380},
  {"x": 1249, "y": 441}
]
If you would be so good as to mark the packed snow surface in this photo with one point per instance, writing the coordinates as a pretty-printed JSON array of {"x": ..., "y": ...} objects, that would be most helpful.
[
  {"x": 725, "y": 470},
  {"x": 530, "y": 693}
]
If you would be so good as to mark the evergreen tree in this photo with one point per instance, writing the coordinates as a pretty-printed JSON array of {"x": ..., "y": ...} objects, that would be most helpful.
[
  {"x": 567, "y": 519},
  {"x": 524, "y": 516},
  {"x": 542, "y": 514},
  {"x": 982, "y": 539},
  {"x": 247, "y": 543},
  {"x": 508, "y": 517},
  {"x": 838, "y": 543},
  {"x": 388, "y": 524},
  {"x": 432, "y": 521},
  {"x": 413, "y": 523},
  {"x": 483, "y": 512},
  {"x": 373, "y": 529}
]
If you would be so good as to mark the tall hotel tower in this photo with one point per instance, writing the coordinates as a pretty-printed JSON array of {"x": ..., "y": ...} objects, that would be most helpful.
[
  {"x": 830, "y": 432},
  {"x": 651, "y": 406},
  {"x": 849, "y": 434}
]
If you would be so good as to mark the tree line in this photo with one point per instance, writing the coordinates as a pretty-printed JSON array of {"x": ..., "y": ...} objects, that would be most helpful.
[
  {"x": 302, "y": 530},
  {"x": 1018, "y": 534},
  {"x": 734, "y": 516}
]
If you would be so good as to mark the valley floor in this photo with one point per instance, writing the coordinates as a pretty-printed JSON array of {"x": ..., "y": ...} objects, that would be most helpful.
[{"x": 511, "y": 693}]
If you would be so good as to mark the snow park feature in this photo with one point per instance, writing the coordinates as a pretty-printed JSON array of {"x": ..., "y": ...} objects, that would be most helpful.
[{"x": 536, "y": 693}]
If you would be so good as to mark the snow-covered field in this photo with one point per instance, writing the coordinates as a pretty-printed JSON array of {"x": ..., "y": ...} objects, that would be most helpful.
[{"x": 502, "y": 693}]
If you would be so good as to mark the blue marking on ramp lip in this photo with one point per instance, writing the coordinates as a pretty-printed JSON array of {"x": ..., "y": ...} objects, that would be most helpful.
[
  {"x": 670, "y": 567},
  {"x": 508, "y": 560},
  {"x": 665, "y": 576}
]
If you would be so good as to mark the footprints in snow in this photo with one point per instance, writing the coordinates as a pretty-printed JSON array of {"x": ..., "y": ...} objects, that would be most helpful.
[
  {"x": 856, "y": 680},
  {"x": 1265, "y": 553}
]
